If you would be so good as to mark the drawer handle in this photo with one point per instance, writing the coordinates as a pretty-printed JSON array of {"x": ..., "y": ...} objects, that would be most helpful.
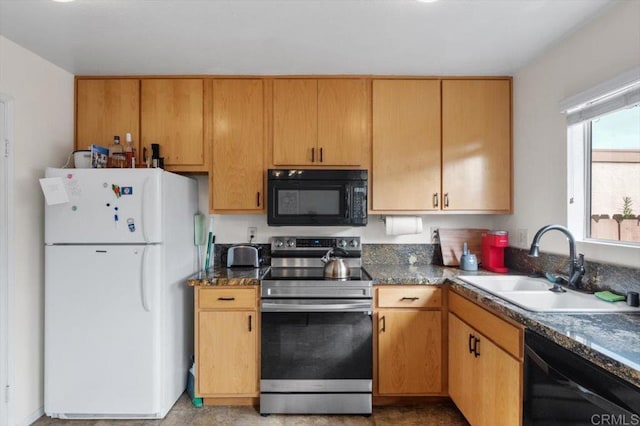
[
  {"x": 250, "y": 321},
  {"x": 410, "y": 298},
  {"x": 258, "y": 198},
  {"x": 227, "y": 299},
  {"x": 384, "y": 324}
]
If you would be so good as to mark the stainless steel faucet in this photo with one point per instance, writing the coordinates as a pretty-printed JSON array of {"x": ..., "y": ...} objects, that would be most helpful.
[{"x": 576, "y": 265}]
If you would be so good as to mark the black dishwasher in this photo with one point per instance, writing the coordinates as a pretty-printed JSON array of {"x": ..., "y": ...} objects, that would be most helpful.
[{"x": 562, "y": 388}]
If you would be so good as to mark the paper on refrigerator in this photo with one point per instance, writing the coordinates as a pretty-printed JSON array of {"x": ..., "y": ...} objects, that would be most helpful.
[{"x": 54, "y": 191}]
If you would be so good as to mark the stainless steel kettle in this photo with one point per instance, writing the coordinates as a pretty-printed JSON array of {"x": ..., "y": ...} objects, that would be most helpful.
[{"x": 335, "y": 267}]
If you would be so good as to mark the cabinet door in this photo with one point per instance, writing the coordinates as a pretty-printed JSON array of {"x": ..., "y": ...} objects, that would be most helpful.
[
  {"x": 105, "y": 108},
  {"x": 343, "y": 121},
  {"x": 464, "y": 389},
  {"x": 227, "y": 353},
  {"x": 236, "y": 176},
  {"x": 498, "y": 385},
  {"x": 409, "y": 352},
  {"x": 406, "y": 145},
  {"x": 295, "y": 122},
  {"x": 172, "y": 116},
  {"x": 476, "y": 144}
]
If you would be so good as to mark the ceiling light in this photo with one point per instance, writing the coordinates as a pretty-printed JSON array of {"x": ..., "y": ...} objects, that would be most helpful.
[
  {"x": 421, "y": 1},
  {"x": 63, "y": 1}
]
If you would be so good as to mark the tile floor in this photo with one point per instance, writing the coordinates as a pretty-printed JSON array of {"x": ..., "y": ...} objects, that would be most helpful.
[{"x": 184, "y": 414}]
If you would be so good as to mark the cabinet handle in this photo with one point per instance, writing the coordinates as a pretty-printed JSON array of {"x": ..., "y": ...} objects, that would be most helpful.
[
  {"x": 476, "y": 348},
  {"x": 321, "y": 155},
  {"x": 258, "y": 198},
  {"x": 250, "y": 326},
  {"x": 313, "y": 155},
  {"x": 471, "y": 339},
  {"x": 435, "y": 199},
  {"x": 384, "y": 324},
  {"x": 446, "y": 199},
  {"x": 410, "y": 298},
  {"x": 227, "y": 299}
]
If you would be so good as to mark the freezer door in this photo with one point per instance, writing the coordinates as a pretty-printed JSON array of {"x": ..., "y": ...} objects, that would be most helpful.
[
  {"x": 102, "y": 331},
  {"x": 114, "y": 206}
]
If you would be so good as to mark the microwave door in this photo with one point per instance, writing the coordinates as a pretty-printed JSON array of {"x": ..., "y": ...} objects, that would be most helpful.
[{"x": 309, "y": 204}]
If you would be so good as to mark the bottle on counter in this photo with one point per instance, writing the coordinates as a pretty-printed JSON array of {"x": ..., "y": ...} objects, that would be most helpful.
[
  {"x": 116, "y": 153},
  {"x": 129, "y": 152}
]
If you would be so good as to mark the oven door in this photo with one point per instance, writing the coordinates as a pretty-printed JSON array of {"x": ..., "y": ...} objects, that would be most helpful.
[
  {"x": 308, "y": 202},
  {"x": 316, "y": 345}
]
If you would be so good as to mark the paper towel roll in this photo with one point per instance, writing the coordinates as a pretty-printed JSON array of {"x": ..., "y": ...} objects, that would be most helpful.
[{"x": 402, "y": 225}]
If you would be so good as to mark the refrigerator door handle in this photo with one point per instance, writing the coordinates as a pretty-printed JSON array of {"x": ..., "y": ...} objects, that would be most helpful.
[
  {"x": 143, "y": 210},
  {"x": 143, "y": 280}
]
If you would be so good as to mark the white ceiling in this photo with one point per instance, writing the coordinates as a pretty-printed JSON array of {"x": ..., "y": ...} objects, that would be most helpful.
[{"x": 449, "y": 37}]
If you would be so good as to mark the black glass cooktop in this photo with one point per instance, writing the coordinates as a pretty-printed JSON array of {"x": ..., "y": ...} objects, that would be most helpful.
[{"x": 355, "y": 274}]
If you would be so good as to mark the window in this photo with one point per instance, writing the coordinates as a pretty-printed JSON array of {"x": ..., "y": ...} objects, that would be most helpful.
[
  {"x": 604, "y": 161},
  {"x": 613, "y": 149}
]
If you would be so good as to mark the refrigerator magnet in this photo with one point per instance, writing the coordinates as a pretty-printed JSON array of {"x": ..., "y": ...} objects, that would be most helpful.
[
  {"x": 127, "y": 190},
  {"x": 131, "y": 224},
  {"x": 116, "y": 190}
]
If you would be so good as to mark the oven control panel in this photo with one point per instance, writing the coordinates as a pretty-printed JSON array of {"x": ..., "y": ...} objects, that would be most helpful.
[{"x": 306, "y": 244}]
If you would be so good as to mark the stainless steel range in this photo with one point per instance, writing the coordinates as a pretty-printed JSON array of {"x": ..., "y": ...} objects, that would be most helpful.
[{"x": 316, "y": 347}]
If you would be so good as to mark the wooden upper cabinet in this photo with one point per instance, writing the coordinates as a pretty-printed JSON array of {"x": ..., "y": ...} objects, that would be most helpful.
[
  {"x": 237, "y": 173},
  {"x": 406, "y": 145},
  {"x": 295, "y": 121},
  {"x": 172, "y": 115},
  {"x": 321, "y": 122},
  {"x": 105, "y": 108},
  {"x": 343, "y": 121},
  {"x": 476, "y": 145}
]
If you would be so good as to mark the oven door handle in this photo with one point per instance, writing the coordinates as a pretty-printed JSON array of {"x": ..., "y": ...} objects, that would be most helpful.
[
  {"x": 317, "y": 306},
  {"x": 557, "y": 376}
]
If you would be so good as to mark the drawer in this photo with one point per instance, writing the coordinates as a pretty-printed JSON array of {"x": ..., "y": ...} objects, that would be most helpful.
[
  {"x": 409, "y": 297},
  {"x": 227, "y": 298},
  {"x": 503, "y": 333}
]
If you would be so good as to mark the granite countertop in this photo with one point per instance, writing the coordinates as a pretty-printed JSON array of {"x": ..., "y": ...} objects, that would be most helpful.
[{"x": 228, "y": 277}]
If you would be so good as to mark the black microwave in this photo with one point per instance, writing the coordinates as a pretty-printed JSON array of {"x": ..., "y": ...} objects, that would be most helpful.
[{"x": 304, "y": 197}]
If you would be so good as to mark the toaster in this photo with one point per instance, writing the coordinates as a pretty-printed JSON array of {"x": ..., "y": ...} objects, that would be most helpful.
[{"x": 244, "y": 255}]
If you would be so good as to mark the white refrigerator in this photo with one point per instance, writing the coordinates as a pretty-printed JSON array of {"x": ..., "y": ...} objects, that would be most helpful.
[{"x": 118, "y": 314}]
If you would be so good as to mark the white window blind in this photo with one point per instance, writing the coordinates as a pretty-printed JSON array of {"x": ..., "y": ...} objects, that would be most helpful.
[{"x": 620, "y": 92}]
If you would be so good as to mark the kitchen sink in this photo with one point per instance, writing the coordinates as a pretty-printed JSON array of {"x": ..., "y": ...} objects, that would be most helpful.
[
  {"x": 494, "y": 283},
  {"x": 533, "y": 294}
]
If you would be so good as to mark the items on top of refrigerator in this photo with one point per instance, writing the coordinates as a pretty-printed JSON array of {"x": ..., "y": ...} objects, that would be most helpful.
[
  {"x": 99, "y": 157},
  {"x": 129, "y": 152},
  {"x": 117, "y": 158}
]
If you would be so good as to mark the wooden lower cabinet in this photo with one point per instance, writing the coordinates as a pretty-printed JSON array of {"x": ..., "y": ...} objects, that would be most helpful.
[
  {"x": 409, "y": 345},
  {"x": 485, "y": 381},
  {"x": 226, "y": 343}
]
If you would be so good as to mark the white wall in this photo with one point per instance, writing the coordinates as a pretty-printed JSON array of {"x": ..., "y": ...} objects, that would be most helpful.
[
  {"x": 43, "y": 135},
  {"x": 600, "y": 50},
  {"x": 233, "y": 228}
]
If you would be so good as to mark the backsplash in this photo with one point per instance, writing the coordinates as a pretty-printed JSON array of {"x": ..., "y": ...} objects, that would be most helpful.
[
  {"x": 402, "y": 254},
  {"x": 598, "y": 276}
]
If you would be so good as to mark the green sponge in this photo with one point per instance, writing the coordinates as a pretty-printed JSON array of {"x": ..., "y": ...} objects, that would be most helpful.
[{"x": 609, "y": 296}]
